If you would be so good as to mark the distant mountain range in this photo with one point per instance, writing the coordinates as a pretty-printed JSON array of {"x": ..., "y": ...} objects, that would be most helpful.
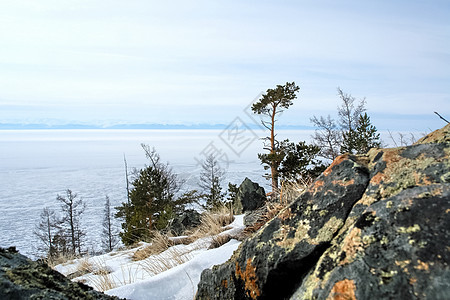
[{"x": 10, "y": 126}]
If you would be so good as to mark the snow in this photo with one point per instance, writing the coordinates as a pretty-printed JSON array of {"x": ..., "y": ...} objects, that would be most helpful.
[
  {"x": 130, "y": 279},
  {"x": 179, "y": 282}
]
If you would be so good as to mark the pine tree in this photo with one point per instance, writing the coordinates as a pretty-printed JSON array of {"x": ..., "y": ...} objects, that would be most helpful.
[
  {"x": 149, "y": 197},
  {"x": 271, "y": 104},
  {"x": 300, "y": 162},
  {"x": 366, "y": 135}
]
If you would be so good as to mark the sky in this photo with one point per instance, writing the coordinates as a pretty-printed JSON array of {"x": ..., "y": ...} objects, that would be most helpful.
[{"x": 110, "y": 62}]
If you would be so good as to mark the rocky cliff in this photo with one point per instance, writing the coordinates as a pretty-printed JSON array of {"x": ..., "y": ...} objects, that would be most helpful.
[
  {"x": 372, "y": 226},
  {"x": 22, "y": 278}
]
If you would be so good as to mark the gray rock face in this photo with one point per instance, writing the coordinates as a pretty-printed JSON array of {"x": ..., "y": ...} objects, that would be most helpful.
[
  {"x": 250, "y": 195},
  {"x": 374, "y": 226},
  {"x": 21, "y": 278},
  {"x": 188, "y": 220},
  {"x": 252, "y": 217}
]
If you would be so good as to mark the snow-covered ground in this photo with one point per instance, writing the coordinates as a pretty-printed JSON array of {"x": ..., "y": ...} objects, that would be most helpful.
[{"x": 119, "y": 275}]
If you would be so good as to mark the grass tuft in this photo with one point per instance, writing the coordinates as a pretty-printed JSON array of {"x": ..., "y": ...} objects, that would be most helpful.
[
  {"x": 219, "y": 240},
  {"x": 159, "y": 263},
  {"x": 160, "y": 242}
]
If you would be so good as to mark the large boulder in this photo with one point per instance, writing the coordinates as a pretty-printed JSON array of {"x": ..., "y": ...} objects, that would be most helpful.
[
  {"x": 22, "y": 278},
  {"x": 188, "y": 220},
  {"x": 371, "y": 226},
  {"x": 250, "y": 196}
]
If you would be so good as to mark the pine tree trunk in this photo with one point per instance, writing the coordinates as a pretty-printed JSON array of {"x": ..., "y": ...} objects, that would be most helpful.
[{"x": 273, "y": 166}]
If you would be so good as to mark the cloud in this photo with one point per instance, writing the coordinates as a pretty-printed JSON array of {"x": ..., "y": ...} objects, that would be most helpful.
[{"x": 203, "y": 55}]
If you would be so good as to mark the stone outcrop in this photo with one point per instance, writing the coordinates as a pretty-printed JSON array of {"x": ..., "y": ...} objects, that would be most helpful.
[
  {"x": 372, "y": 226},
  {"x": 188, "y": 220},
  {"x": 250, "y": 196},
  {"x": 21, "y": 278}
]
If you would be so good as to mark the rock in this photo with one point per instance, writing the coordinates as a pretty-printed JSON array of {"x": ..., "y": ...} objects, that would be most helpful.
[
  {"x": 374, "y": 226},
  {"x": 189, "y": 219},
  {"x": 22, "y": 278},
  {"x": 253, "y": 216},
  {"x": 250, "y": 196}
]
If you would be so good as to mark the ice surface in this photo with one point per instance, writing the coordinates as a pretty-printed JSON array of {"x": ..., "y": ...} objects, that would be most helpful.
[{"x": 36, "y": 165}]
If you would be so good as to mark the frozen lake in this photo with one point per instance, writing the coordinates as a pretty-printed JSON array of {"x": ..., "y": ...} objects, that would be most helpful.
[{"x": 36, "y": 165}]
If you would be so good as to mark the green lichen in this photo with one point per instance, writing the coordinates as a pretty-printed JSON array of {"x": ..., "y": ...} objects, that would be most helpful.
[
  {"x": 411, "y": 229},
  {"x": 328, "y": 229},
  {"x": 368, "y": 239},
  {"x": 323, "y": 212},
  {"x": 386, "y": 276}
]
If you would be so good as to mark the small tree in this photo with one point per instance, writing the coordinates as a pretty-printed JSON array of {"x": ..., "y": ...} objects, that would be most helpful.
[
  {"x": 300, "y": 162},
  {"x": 271, "y": 104},
  {"x": 151, "y": 203},
  {"x": 327, "y": 137},
  {"x": 46, "y": 231},
  {"x": 349, "y": 111},
  {"x": 211, "y": 178},
  {"x": 72, "y": 209},
  {"x": 109, "y": 233},
  {"x": 352, "y": 133},
  {"x": 149, "y": 198},
  {"x": 361, "y": 139}
]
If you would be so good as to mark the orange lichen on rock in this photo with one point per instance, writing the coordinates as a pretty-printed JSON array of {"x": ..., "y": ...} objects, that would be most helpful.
[
  {"x": 316, "y": 186},
  {"x": 390, "y": 156},
  {"x": 343, "y": 183},
  {"x": 351, "y": 245},
  {"x": 335, "y": 162},
  {"x": 377, "y": 178},
  {"x": 343, "y": 290},
  {"x": 249, "y": 277},
  {"x": 422, "y": 266},
  {"x": 224, "y": 283},
  {"x": 422, "y": 179}
]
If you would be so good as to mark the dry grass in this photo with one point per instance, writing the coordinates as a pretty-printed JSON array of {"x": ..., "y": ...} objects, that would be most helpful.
[
  {"x": 162, "y": 262},
  {"x": 84, "y": 265},
  {"x": 103, "y": 282},
  {"x": 290, "y": 191},
  {"x": 272, "y": 210},
  {"x": 212, "y": 223},
  {"x": 61, "y": 259},
  {"x": 160, "y": 242},
  {"x": 102, "y": 279},
  {"x": 219, "y": 240}
]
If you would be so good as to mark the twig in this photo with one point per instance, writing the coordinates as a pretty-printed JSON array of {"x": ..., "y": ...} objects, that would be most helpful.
[{"x": 441, "y": 117}]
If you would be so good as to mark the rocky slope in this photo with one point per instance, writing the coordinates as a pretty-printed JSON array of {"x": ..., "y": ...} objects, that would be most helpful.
[
  {"x": 22, "y": 278},
  {"x": 372, "y": 226}
]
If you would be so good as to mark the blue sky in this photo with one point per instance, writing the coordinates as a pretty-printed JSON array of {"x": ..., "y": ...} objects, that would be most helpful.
[{"x": 188, "y": 62}]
